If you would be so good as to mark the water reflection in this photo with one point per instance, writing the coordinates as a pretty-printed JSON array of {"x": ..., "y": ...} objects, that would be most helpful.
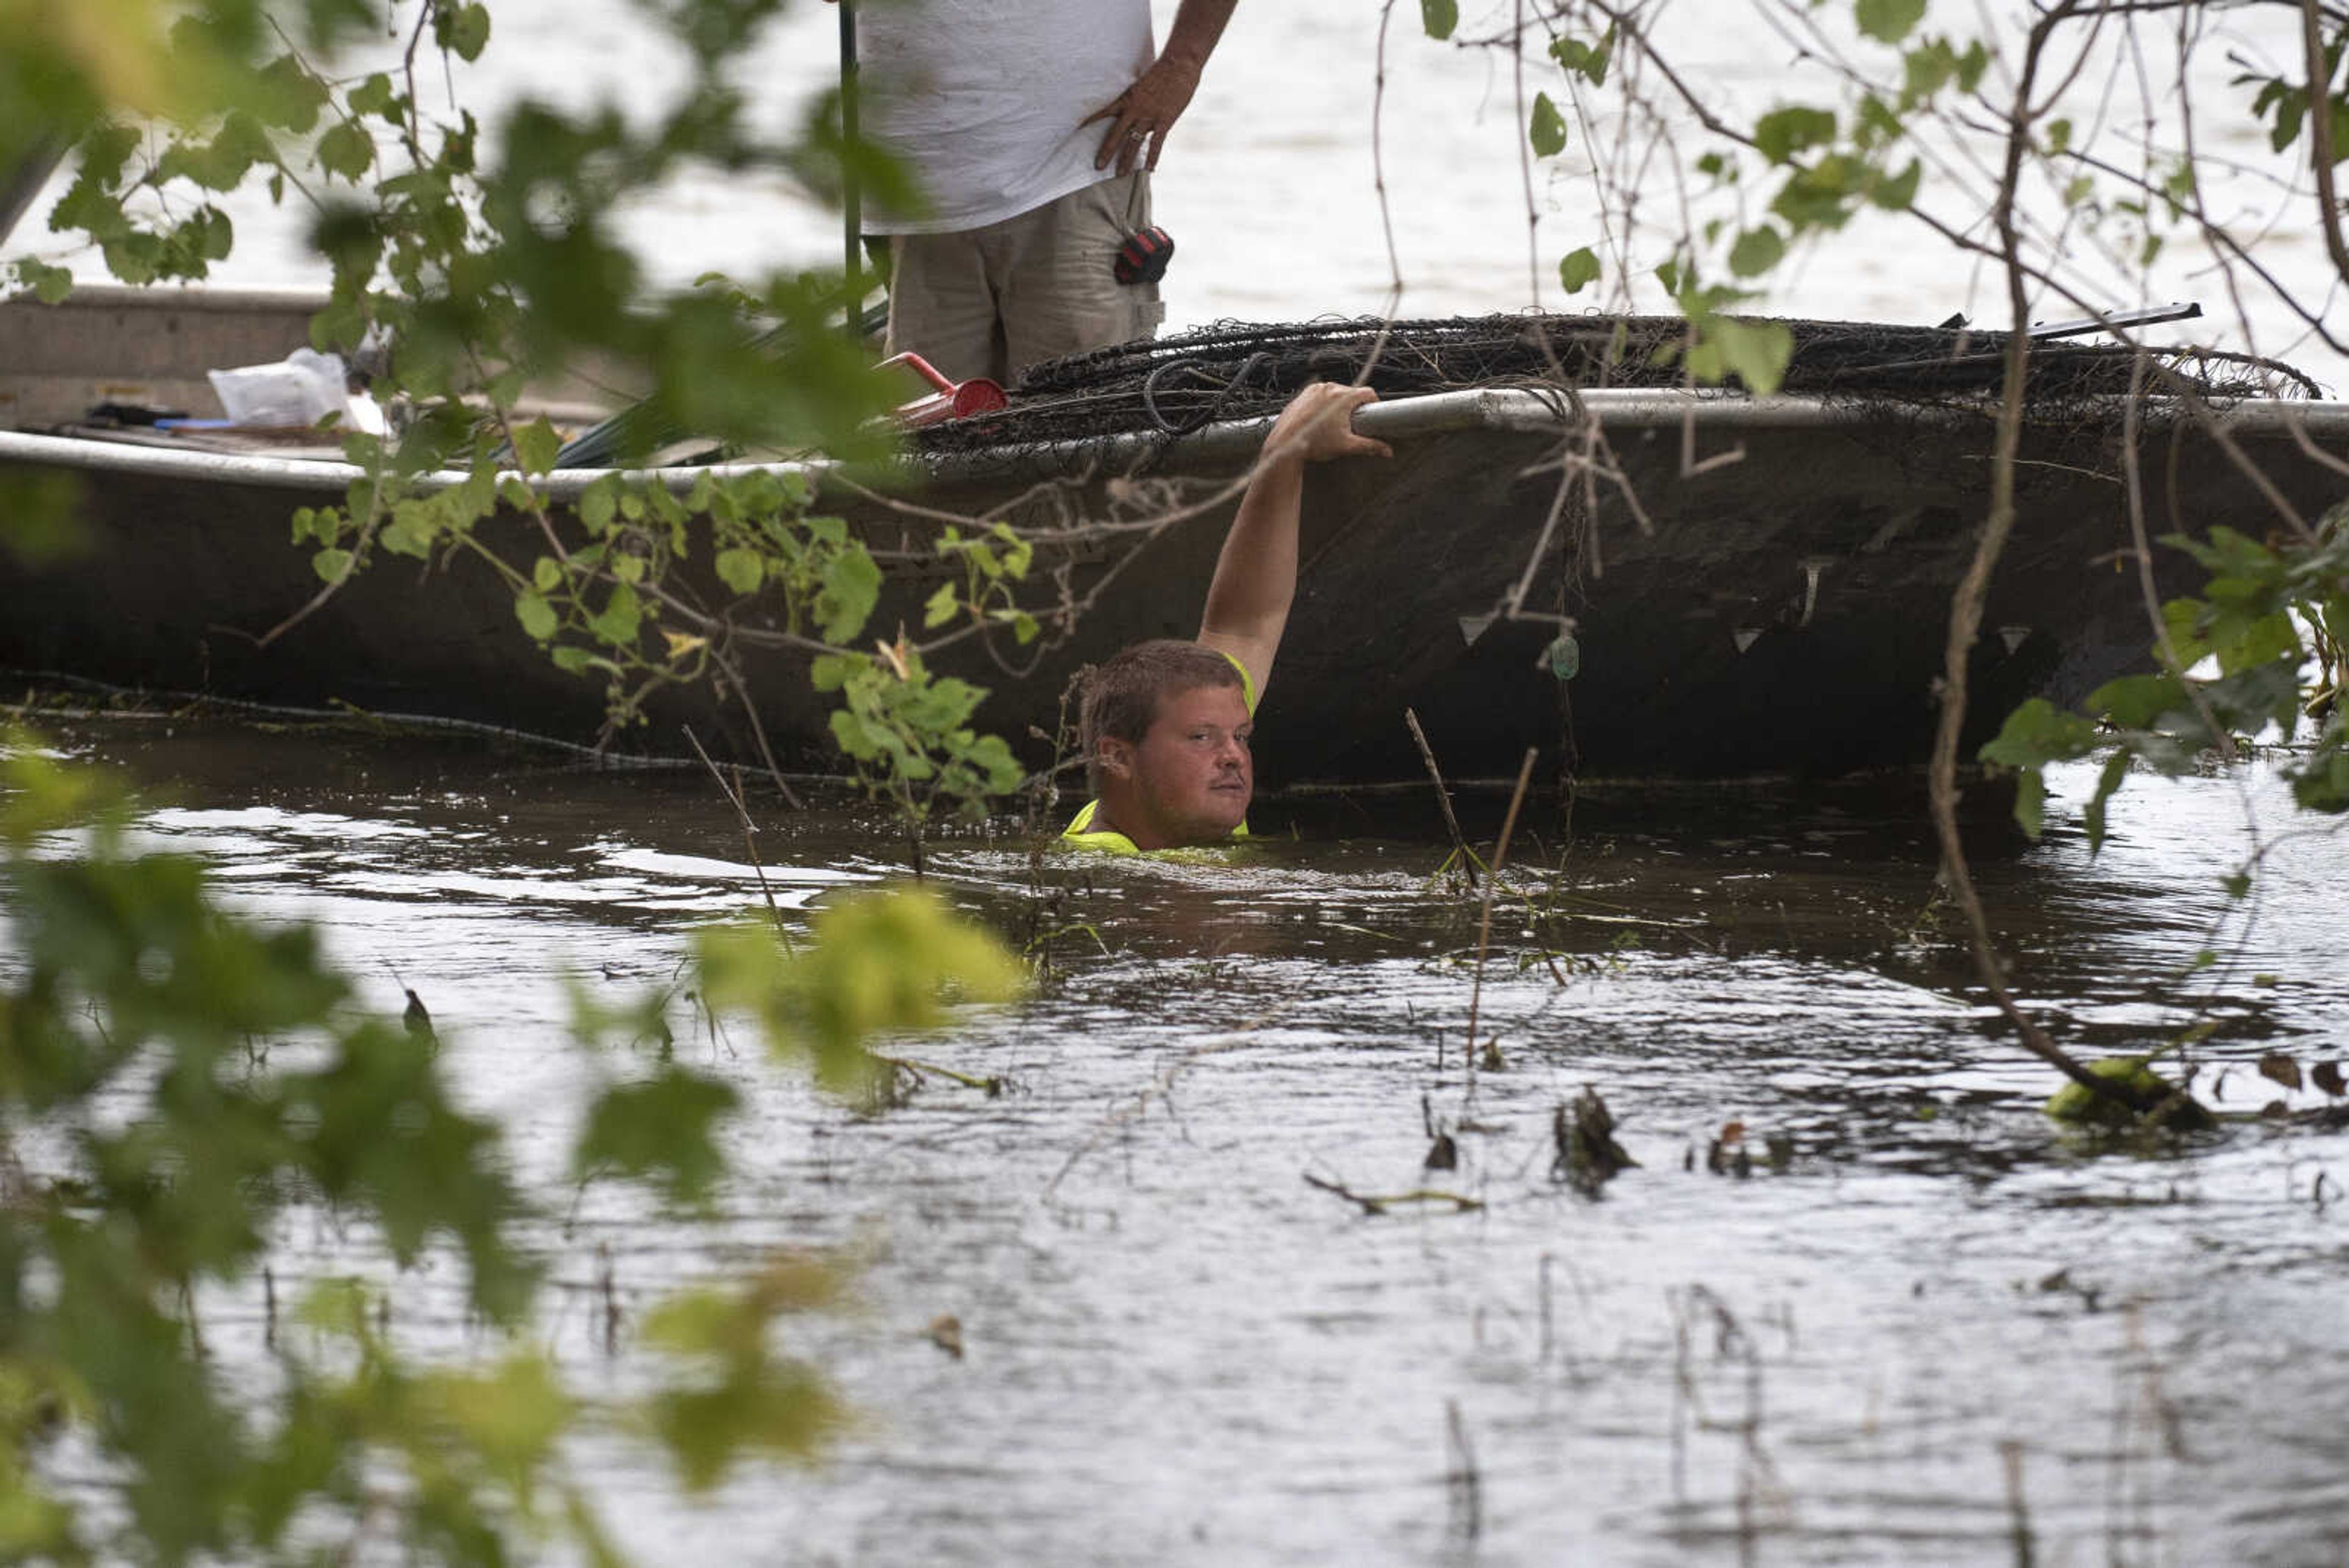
[{"x": 1924, "y": 1325}]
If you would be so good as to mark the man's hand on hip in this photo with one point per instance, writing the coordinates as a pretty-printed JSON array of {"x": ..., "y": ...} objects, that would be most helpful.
[{"x": 1140, "y": 116}]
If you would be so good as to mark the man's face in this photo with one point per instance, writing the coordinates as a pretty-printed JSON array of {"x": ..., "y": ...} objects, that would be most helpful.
[{"x": 1192, "y": 773}]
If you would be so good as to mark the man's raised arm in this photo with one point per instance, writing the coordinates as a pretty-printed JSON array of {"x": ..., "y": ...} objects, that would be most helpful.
[{"x": 1256, "y": 576}]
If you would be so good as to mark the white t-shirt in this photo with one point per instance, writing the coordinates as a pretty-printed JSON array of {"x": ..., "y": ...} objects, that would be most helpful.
[{"x": 984, "y": 100}]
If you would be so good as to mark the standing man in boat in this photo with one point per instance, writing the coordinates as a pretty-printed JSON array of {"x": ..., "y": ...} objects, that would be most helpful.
[
  {"x": 1165, "y": 725},
  {"x": 1031, "y": 128}
]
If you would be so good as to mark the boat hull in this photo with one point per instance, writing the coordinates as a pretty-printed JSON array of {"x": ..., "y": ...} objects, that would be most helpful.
[{"x": 1750, "y": 587}]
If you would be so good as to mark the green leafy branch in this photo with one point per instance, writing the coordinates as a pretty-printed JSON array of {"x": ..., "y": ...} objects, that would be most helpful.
[
  {"x": 2269, "y": 612},
  {"x": 485, "y": 264},
  {"x": 152, "y": 1140}
]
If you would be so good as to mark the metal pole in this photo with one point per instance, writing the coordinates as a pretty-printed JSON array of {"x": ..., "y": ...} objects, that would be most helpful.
[
  {"x": 2146, "y": 317},
  {"x": 851, "y": 198},
  {"x": 24, "y": 181}
]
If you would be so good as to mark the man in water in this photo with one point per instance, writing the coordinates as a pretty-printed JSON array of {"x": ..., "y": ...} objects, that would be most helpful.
[
  {"x": 1031, "y": 128},
  {"x": 1166, "y": 724}
]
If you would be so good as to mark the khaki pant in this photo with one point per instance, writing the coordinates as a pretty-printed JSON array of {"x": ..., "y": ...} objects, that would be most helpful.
[{"x": 993, "y": 301}]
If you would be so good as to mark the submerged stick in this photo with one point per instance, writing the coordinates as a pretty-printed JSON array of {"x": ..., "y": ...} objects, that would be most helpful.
[
  {"x": 1485, "y": 925},
  {"x": 1443, "y": 796},
  {"x": 1379, "y": 1203},
  {"x": 733, "y": 794},
  {"x": 993, "y": 1087}
]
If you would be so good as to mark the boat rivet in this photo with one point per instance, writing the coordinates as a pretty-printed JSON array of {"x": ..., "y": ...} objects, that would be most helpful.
[
  {"x": 1746, "y": 637},
  {"x": 2012, "y": 636}
]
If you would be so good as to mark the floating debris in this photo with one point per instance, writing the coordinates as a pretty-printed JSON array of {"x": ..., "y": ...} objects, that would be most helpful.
[{"x": 1586, "y": 1155}]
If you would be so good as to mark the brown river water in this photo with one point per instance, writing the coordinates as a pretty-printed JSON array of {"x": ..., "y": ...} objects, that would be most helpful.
[{"x": 1928, "y": 1325}]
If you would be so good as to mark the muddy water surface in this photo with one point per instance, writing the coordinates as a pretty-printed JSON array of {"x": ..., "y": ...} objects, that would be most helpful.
[{"x": 1926, "y": 1327}]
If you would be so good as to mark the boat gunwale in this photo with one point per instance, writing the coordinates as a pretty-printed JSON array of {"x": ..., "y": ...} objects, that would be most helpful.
[{"x": 1225, "y": 445}]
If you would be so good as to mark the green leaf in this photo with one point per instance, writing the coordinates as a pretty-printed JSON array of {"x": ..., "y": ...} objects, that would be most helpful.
[
  {"x": 222, "y": 163},
  {"x": 346, "y": 150},
  {"x": 2321, "y": 782},
  {"x": 941, "y": 606},
  {"x": 1971, "y": 65},
  {"x": 537, "y": 617},
  {"x": 1889, "y": 21},
  {"x": 1579, "y": 270},
  {"x": 1755, "y": 352},
  {"x": 1756, "y": 251},
  {"x": 2038, "y": 732},
  {"x": 852, "y": 586},
  {"x": 535, "y": 445},
  {"x": 1549, "y": 129},
  {"x": 659, "y": 1130},
  {"x": 288, "y": 96},
  {"x": 1023, "y": 627},
  {"x": 2109, "y": 780},
  {"x": 1439, "y": 16},
  {"x": 597, "y": 503},
  {"x": 622, "y": 618},
  {"x": 463, "y": 30},
  {"x": 547, "y": 573},
  {"x": 49, "y": 284},
  {"x": 332, "y": 566},
  {"x": 880, "y": 964},
  {"x": 1899, "y": 192},
  {"x": 1878, "y": 125},
  {"x": 1784, "y": 132},
  {"x": 741, "y": 570},
  {"x": 830, "y": 672},
  {"x": 1587, "y": 60},
  {"x": 375, "y": 96},
  {"x": 2139, "y": 702},
  {"x": 2031, "y": 802},
  {"x": 851, "y": 734}
]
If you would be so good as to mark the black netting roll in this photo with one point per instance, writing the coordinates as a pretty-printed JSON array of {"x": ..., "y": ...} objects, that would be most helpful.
[{"x": 1171, "y": 386}]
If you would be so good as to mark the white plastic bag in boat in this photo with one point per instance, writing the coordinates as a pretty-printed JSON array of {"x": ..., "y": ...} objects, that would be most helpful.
[
  {"x": 301, "y": 390},
  {"x": 362, "y": 412}
]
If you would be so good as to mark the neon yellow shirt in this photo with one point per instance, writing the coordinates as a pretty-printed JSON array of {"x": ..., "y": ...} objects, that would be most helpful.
[{"x": 1081, "y": 834}]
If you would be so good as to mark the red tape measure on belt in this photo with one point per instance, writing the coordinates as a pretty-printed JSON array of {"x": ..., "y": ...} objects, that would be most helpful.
[{"x": 1144, "y": 257}]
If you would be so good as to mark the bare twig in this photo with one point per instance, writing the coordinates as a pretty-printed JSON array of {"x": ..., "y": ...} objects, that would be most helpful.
[
  {"x": 991, "y": 1086},
  {"x": 1966, "y": 608},
  {"x": 1443, "y": 797},
  {"x": 1379, "y": 1203},
  {"x": 1493, "y": 880},
  {"x": 1379, "y": 166},
  {"x": 2319, "y": 123},
  {"x": 733, "y": 794}
]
